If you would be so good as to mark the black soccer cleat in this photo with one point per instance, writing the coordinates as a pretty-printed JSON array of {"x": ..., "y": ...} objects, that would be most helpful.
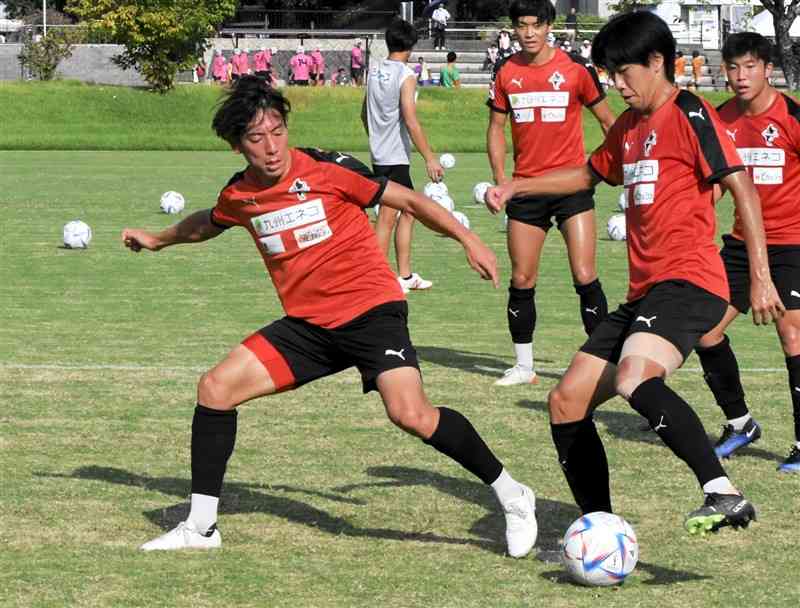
[{"x": 720, "y": 510}]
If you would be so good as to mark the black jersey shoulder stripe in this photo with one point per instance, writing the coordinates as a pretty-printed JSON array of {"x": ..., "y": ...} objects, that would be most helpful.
[
  {"x": 589, "y": 67},
  {"x": 710, "y": 146},
  {"x": 792, "y": 107},
  {"x": 351, "y": 163}
]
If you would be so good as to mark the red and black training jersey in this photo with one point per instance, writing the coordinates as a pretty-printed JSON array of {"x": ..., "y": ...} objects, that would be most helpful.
[
  {"x": 545, "y": 103},
  {"x": 668, "y": 163},
  {"x": 316, "y": 241},
  {"x": 769, "y": 144}
]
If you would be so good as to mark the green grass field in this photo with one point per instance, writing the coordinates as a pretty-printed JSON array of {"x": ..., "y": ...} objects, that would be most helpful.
[{"x": 326, "y": 503}]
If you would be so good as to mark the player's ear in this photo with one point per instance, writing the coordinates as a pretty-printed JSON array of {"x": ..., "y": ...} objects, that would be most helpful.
[
  {"x": 768, "y": 67},
  {"x": 655, "y": 61}
]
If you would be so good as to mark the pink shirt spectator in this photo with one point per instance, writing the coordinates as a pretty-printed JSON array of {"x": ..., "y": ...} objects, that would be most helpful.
[
  {"x": 356, "y": 58},
  {"x": 241, "y": 64},
  {"x": 301, "y": 65},
  {"x": 219, "y": 68},
  {"x": 318, "y": 62},
  {"x": 261, "y": 60}
]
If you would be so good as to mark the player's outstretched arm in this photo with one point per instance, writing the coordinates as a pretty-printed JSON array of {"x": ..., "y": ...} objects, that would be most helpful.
[
  {"x": 438, "y": 219},
  {"x": 193, "y": 229},
  {"x": 764, "y": 299},
  {"x": 561, "y": 181},
  {"x": 408, "y": 109}
]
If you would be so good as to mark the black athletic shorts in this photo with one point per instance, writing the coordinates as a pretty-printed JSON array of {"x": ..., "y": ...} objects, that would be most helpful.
[
  {"x": 296, "y": 352},
  {"x": 678, "y": 311},
  {"x": 400, "y": 174},
  {"x": 784, "y": 266},
  {"x": 540, "y": 210}
]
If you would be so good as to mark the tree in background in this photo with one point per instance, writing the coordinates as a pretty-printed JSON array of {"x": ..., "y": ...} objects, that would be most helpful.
[
  {"x": 783, "y": 16},
  {"x": 41, "y": 55},
  {"x": 161, "y": 37}
]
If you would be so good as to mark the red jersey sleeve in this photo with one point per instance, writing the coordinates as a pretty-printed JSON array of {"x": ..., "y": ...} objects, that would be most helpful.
[
  {"x": 591, "y": 91},
  {"x": 606, "y": 161},
  {"x": 354, "y": 187},
  {"x": 223, "y": 215},
  {"x": 498, "y": 100},
  {"x": 715, "y": 152}
]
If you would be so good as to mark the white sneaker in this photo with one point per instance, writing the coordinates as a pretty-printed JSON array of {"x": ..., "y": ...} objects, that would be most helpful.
[
  {"x": 403, "y": 285},
  {"x": 415, "y": 282},
  {"x": 521, "y": 528},
  {"x": 517, "y": 375},
  {"x": 185, "y": 536}
]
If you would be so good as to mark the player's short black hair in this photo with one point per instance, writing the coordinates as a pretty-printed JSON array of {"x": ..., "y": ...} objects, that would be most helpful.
[
  {"x": 738, "y": 45},
  {"x": 451, "y": 56},
  {"x": 242, "y": 103},
  {"x": 543, "y": 10},
  {"x": 400, "y": 36},
  {"x": 630, "y": 38}
]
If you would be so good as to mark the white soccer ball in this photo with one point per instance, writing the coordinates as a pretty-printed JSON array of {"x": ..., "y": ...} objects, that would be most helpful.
[
  {"x": 77, "y": 235},
  {"x": 432, "y": 188},
  {"x": 444, "y": 200},
  {"x": 462, "y": 219},
  {"x": 622, "y": 203},
  {"x": 479, "y": 192},
  {"x": 448, "y": 161},
  {"x": 600, "y": 549},
  {"x": 172, "y": 202},
  {"x": 616, "y": 227}
]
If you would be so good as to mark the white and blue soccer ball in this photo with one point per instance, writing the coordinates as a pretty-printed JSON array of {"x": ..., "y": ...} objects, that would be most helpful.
[
  {"x": 479, "y": 192},
  {"x": 448, "y": 161},
  {"x": 461, "y": 219},
  {"x": 172, "y": 202},
  {"x": 600, "y": 549},
  {"x": 444, "y": 200},
  {"x": 622, "y": 203},
  {"x": 435, "y": 188},
  {"x": 77, "y": 235},
  {"x": 616, "y": 227}
]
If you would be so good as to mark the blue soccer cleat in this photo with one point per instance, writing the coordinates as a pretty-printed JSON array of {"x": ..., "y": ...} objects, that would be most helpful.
[
  {"x": 732, "y": 440},
  {"x": 792, "y": 462}
]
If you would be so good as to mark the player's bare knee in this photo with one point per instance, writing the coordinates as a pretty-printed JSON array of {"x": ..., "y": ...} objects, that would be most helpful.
[
  {"x": 711, "y": 339},
  {"x": 410, "y": 417},
  {"x": 522, "y": 280},
  {"x": 213, "y": 393},
  {"x": 627, "y": 379},
  {"x": 584, "y": 275},
  {"x": 790, "y": 340},
  {"x": 562, "y": 407}
]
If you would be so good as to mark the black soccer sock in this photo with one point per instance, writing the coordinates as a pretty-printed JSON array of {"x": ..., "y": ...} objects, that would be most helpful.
[
  {"x": 594, "y": 307},
  {"x": 583, "y": 460},
  {"x": 521, "y": 313},
  {"x": 721, "y": 372},
  {"x": 678, "y": 426},
  {"x": 793, "y": 365},
  {"x": 457, "y": 438},
  {"x": 213, "y": 438}
]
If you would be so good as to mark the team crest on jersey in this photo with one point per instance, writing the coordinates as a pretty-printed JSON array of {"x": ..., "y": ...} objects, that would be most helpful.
[
  {"x": 770, "y": 134},
  {"x": 299, "y": 187},
  {"x": 557, "y": 79},
  {"x": 651, "y": 141}
]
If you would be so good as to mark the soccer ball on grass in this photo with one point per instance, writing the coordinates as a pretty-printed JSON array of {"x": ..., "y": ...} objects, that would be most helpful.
[
  {"x": 600, "y": 549},
  {"x": 172, "y": 202},
  {"x": 77, "y": 235}
]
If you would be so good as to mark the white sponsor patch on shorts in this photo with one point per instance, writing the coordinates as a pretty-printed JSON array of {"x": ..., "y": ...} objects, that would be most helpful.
[
  {"x": 272, "y": 244},
  {"x": 524, "y": 115},
  {"x": 644, "y": 194},
  {"x": 554, "y": 114},
  {"x": 311, "y": 235},
  {"x": 767, "y": 176},
  {"x": 289, "y": 217},
  {"x": 544, "y": 99}
]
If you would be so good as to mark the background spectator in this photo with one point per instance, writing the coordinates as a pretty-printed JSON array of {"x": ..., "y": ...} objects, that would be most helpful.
[
  {"x": 300, "y": 65},
  {"x": 697, "y": 67},
  {"x": 262, "y": 61},
  {"x": 504, "y": 45},
  {"x": 491, "y": 57},
  {"x": 450, "y": 76},
  {"x": 422, "y": 72},
  {"x": 680, "y": 70},
  {"x": 199, "y": 71},
  {"x": 586, "y": 49},
  {"x": 240, "y": 64},
  {"x": 571, "y": 24},
  {"x": 357, "y": 64},
  {"x": 219, "y": 67},
  {"x": 340, "y": 79},
  {"x": 317, "y": 67},
  {"x": 439, "y": 25}
]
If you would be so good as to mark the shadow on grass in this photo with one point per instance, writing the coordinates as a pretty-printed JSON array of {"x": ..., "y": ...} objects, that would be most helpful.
[
  {"x": 484, "y": 364},
  {"x": 242, "y": 498},
  {"x": 659, "y": 575}
]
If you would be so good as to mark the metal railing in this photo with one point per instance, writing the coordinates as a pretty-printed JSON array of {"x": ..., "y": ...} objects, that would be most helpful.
[{"x": 251, "y": 17}]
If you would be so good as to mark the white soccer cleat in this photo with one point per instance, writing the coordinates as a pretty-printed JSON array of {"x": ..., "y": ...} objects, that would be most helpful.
[
  {"x": 521, "y": 528},
  {"x": 518, "y": 375},
  {"x": 415, "y": 282},
  {"x": 185, "y": 536}
]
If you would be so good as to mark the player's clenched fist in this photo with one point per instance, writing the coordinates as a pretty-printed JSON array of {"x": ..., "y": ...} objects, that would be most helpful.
[{"x": 496, "y": 197}]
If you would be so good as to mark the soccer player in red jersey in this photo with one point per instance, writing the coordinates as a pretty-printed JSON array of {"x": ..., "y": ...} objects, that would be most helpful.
[
  {"x": 544, "y": 91},
  {"x": 667, "y": 150},
  {"x": 765, "y": 126},
  {"x": 304, "y": 209}
]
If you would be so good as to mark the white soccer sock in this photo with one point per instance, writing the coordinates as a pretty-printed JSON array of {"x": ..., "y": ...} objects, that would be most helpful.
[
  {"x": 524, "y": 354},
  {"x": 203, "y": 513},
  {"x": 738, "y": 423},
  {"x": 797, "y": 443},
  {"x": 506, "y": 487},
  {"x": 719, "y": 485}
]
